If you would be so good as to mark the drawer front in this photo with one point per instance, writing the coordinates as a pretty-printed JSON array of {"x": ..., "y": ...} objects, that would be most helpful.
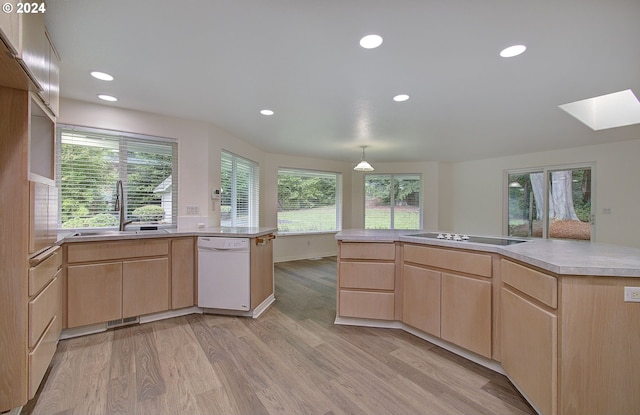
[
  {"x": 368, "y": 275},
  {"x": 362, "y": 304},
  {"x": 368, "y": 250},
  {"x": 41, "y": 355},
  {"x": 43, "y": 309},
  {"x": 541, "y": 286},
  {"x": 100, "y": 251},
  {"x": 468, "y": 262},
  {"x": 42, "y": 273}
]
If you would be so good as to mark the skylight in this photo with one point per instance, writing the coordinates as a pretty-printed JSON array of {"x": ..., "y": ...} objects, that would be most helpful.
[{"x": 606, "y": 111}]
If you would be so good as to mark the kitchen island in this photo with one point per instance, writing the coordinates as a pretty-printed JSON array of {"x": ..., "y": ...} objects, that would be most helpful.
[{"x": 557, "y": 317}]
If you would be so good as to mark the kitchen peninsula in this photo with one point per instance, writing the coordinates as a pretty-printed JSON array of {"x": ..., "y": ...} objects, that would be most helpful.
[{"x": 557, "y": 317}]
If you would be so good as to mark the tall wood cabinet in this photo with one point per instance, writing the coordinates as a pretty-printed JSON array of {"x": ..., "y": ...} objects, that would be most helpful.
[{"x": 25, "y": 218}]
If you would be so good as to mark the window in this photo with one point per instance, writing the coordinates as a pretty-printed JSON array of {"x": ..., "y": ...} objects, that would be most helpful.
[
  {"x": 92, "y": 161},
  {"x": 309, "y": 201},
  {"x": 549, "y": 203},
  {"x": 392, "y": 201},
  {"x": 240, "y": 189}
]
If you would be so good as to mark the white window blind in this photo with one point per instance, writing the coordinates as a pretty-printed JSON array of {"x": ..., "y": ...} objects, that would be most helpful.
[
  {"x": 239, "y": 201},
  {"x": 90, "y": 162},
  {"x": 392, "y": 201},
  {"x": 309, "y": 201}
]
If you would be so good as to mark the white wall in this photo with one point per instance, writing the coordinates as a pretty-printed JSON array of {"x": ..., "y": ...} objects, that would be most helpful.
[{"x": 477, "y": 190}]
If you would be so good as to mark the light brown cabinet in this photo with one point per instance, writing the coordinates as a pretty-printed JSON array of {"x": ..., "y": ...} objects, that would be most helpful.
[
  {"x": 421, "y": 289},
  {"x": 366, "y": 280},
  {"x": 183, "y": 263},
  {"x": 30, "y": 61},
  {"x": 25, "y": 234},
  {"x": 261, "y": 269},
  {"x": 44, "y": 314},
  {"x": 448, "y": 294},
  {"x": 119, "y": 279},
  {"x": 466, "y": 312},
  {"x": 10, "y": 28}
]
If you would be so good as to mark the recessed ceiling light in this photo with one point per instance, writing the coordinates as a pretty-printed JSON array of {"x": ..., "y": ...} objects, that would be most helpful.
[
  {"x": 266, "y": 112},
  {"x": 512, "y": 51},
  {"x": 107, "y": 98},
  {"x": 401, "y": 98},
  {"x": 102, "y": 76},
  {"x": 371, "y": 41}
]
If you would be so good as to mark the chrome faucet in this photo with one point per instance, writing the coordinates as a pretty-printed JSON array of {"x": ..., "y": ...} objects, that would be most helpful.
[{"x": 119, "y": 205}]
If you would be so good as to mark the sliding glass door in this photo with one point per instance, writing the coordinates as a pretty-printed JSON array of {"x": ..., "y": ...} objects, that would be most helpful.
[{"x": 550, "y": 203}]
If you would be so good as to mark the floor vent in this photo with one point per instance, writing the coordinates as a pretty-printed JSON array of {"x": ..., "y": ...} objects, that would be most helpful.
[{"x": 122, "y": 322}]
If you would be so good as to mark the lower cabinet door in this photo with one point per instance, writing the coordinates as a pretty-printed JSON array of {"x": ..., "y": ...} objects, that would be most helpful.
[
  {"x": 529, "y": 349},
  {"x": 94, "y": 293},
  {"x": 145, "y": 286},
  {"x": 421, "y": 299},
  {"x": 466, "y": 312}
]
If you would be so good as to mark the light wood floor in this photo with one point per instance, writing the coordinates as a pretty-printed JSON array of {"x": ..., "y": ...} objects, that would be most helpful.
[{"x": 292, "y": 360}]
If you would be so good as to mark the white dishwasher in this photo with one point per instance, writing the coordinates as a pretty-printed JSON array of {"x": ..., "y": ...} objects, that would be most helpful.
[{"x": 224, "y": 273}]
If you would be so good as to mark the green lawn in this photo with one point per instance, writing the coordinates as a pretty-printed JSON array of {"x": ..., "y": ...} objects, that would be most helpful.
[{"x": 324, "y": 219}]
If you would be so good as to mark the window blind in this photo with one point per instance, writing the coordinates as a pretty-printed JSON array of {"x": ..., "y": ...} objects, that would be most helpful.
[
  {"x": 309, "y": 201},
  {"x": 239, "y": 200},
  {"x": 90, "y": 162}
]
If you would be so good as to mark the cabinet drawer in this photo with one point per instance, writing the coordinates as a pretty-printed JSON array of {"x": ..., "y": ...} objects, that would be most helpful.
[
  {"x": 376, "y": 305},
  {"x": 43, "y": 309},
  {"x": 368, "y": 250},
  {"x": 42, "y": 273},
  {"x": 369, "y": 275},
  {"x": 468, "y": 262},
  {"x": 41, "y": 355},
  {"x": 541, "y": 286},
  {"x": 100, "y": 251}
]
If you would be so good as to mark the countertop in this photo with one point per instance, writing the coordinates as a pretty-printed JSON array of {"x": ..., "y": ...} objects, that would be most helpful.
[
  {"x": 562, "y": 257},
  {"x": 106, "y": 235}
]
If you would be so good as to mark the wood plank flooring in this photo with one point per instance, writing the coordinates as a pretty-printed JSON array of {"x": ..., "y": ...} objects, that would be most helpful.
[{"x": 291, "y": 360}]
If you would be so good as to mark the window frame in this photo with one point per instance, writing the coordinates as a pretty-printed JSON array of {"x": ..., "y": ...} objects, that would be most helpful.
[
  {"x": 253, "y": 193},
  {"x": 125, "y": 139},
  {"x": 392, "y": 205},
  {"x": 338, "y": 200},
  {"x": 546, "y": 171}
]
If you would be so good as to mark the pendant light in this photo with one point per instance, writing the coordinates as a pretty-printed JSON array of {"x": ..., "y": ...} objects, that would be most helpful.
[{"x": 363, "y": 165}]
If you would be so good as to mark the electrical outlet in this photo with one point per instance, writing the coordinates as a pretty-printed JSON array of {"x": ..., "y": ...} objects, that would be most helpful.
[
  {"x": 192, "y": 210},
  {"x": 632, "y": 294}
]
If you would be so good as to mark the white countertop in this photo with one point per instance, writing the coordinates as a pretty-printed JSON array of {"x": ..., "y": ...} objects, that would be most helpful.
[
  {"x": 106, "y": 235},
  {"x": 562, "y": 257}
]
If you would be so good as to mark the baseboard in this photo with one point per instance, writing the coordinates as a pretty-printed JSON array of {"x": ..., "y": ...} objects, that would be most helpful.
[
  {"x": 170, "y": 314},
  {"x": 264, "y": 306}
]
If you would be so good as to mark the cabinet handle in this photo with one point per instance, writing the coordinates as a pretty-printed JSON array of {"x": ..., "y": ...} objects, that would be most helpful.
[{"x": 265, "y": 239}]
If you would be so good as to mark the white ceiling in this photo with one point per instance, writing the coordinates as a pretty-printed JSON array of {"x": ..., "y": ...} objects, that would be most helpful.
[{"x": 221, "y": 61}]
